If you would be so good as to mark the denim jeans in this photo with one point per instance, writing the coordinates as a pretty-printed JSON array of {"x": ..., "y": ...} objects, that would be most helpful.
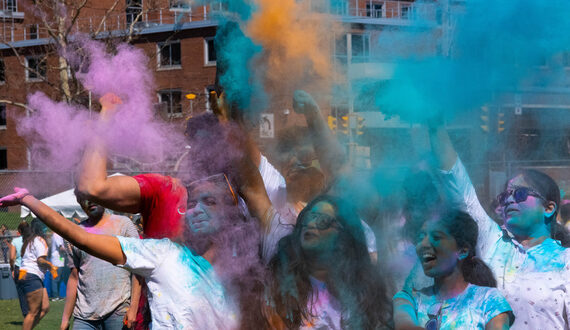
[{"x": 112, "y": 322}]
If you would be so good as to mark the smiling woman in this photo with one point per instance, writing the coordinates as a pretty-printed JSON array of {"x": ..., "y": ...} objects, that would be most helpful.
[
  {"x": 463, "y": 293},
  {"x": 529, "y": 254}
]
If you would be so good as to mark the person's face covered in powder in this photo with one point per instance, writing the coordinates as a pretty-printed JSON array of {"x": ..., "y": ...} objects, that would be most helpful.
[{"x": 211, "y": 202}]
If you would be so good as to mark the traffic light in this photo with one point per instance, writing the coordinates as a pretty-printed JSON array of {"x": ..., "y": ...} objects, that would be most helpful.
[
  {"x": 485, "y": 119},
  {"x": 332, "y": 123},
  {"x": 345, "y": 123},
  {"x": 500, "y": 122},
  {"x": 359, "y": 125}
]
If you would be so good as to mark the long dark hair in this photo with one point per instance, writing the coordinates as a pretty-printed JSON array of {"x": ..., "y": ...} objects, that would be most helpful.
[
  {"x": 354, "y": 281},
  {"x": 548, "y": 188},
  {"x": 28, "y": 235},
  {"x": 464, "y": 230}
]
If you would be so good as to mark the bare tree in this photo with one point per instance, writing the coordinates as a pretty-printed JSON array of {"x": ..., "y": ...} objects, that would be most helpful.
[{"x": 55, "y": 22}]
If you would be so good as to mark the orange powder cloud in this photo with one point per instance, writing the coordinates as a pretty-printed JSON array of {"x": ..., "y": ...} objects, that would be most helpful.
[{"x": 296, "y": 42}]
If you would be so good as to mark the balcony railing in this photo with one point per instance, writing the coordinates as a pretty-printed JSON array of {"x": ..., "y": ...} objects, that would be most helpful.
[{"x": 122, "y": 22}]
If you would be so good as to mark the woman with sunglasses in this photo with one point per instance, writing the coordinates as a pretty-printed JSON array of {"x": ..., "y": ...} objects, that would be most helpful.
[
  {"x": 323, "y": 276},
  {"x": 528, "y": 254},
  {"x": 463, "y": 294}
]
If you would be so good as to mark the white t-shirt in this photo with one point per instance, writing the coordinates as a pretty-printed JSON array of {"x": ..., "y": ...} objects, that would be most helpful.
[
  {"x": 471, "y": 309},
  {"x": 35, "y": 249},
  {"x": 56, "y": 258},
  {"x": 184, "y": 291}
]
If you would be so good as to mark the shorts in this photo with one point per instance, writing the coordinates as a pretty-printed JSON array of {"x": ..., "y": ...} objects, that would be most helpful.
[{"x": 31, "y": 283}]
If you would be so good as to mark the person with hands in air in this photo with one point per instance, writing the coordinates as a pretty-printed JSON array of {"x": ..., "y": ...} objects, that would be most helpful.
[
  {"x": 299, "y": 179},
  {"x": 528, "y": 254},
  {"x": 198, "y": 282}
]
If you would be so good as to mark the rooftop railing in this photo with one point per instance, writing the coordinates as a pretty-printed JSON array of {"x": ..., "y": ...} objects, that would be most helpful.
[{"x": 12, "y": 30}]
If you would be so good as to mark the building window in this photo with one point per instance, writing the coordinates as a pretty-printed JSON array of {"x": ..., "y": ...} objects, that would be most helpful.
[
  {"x": 209, "y": 51},
  {"x": 360, "y": 47},
  {"x": 169, "y": 54},
  {"x": 2, "y": 72},
  {"x": 133, "y": 10},
  {"x": 170, "y": 102},
  {"x": 405, "y": 11},
  {"x": 3, "y": 158},
  {"x": 33, "y": 31},
  {"x": 10, "y": 5},
  {"x": 374, "y": 10},
  {"x": 179, "y": 5},
  {"x": 36, "y": 68},
  {"x": 2, "y": 115}
]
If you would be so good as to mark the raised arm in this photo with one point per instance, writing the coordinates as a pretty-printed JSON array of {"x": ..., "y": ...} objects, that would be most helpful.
[
  {"x": 442, "y": 148},
  {"x": 330, "y": 153},
  {"x": 253, "y": 192},
  {"x": 101, "y": 246},
  {"x": 120, "y": 193},
  {"x": 459, "y": 189}
]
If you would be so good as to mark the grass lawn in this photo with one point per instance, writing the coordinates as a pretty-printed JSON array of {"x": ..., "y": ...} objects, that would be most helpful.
[{"x": 11, "y": 315}]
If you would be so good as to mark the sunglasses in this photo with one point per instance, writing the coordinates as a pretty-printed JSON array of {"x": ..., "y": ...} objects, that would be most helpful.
[
  {"x": 520, "y": 194},
  {"x": 322, "y": 221},
  {"x": 434, "y": 313}
]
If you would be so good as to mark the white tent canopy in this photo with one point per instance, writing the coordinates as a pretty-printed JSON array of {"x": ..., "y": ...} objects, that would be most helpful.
[{"x": 64, "y": 203}]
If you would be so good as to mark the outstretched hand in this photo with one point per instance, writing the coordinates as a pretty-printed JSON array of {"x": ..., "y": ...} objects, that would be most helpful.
[
  {"x": 303, "y": 102},
  {"x": 15, "y": 198}
]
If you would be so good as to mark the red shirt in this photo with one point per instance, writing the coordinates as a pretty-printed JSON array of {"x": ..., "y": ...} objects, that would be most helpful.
[{"x": 163, "y": 203}]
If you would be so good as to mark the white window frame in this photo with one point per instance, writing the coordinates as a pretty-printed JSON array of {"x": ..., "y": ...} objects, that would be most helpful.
[
  {"x": 207, "y": 52},
  {"x": 179, "y": 6},
  {"x": 409, "y": 9},
  {"x": 169, "y": 107},
  {"x": 159, "y": 46},
  {"x": 35, "y": 79},
  {"x": 29, "y": 31},
  {"x": 127, "y": 14},
  {"x": 365, "y": 46},
  {"x": 5, "y": 6}
]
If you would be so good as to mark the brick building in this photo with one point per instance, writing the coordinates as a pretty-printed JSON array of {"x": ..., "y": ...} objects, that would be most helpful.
[{"x": 179, "y": 41}]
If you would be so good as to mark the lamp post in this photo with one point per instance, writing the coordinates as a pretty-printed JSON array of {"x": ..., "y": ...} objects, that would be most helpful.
[{"x": 191, "y": 97}]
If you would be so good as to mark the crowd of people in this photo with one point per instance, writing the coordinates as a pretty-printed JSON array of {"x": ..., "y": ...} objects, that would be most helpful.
[{"x": 231, "y": 241}]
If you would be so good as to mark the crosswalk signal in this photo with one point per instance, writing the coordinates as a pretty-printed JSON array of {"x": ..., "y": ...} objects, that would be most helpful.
[
  {"x": 500, "y": 122},
  {"x": 485, "y": 119}
]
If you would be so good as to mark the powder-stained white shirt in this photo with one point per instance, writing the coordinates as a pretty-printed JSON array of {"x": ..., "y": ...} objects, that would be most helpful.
[
  {"x": 184, "y": 291},
  {"x": 536, "y": 281},
  {"x": 35, "y": 249},
  {"x": 471, "y": 309}
]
